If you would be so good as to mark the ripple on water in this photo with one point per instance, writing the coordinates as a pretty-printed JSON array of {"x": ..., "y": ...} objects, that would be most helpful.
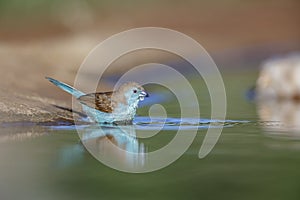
[
  {"x": 160, "y": 123},
  {"x": 154, "y": 123}
]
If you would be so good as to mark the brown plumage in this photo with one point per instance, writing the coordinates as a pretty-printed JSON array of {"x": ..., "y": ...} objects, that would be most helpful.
[
  {"x": 108, "y": 107},
  {"x": 101, "y": 101},
  {"x": 108, "y": 101}
]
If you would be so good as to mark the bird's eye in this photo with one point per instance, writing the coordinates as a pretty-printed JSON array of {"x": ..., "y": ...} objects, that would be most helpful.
[{"x": 134, "y": 91}]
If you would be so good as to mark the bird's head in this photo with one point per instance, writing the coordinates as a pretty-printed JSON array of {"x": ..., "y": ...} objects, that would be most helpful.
[{"x": 133, "y": 92}]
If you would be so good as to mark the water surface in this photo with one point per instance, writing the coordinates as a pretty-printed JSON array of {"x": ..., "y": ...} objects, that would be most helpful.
[{"x": 254, "y": 158}]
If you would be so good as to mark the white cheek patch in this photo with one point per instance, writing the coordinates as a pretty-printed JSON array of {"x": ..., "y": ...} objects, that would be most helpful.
[{"x": 141, "y": 98}]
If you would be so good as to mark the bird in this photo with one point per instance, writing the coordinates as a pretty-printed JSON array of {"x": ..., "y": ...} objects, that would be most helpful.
[{"x": 113, "y": 107}]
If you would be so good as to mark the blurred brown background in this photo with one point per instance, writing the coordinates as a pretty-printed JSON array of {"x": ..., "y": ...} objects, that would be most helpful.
[{"x": 41, "y": 38}]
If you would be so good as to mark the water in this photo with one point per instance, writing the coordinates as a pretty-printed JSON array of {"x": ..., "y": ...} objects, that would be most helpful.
[{"x": 256, "y": 157}]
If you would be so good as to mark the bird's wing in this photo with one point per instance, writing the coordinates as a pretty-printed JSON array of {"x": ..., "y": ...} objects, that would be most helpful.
[{"x": 101, "y": 101}]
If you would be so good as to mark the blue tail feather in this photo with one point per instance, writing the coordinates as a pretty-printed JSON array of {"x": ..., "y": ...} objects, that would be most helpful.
[{"x": 65, "y": 87}]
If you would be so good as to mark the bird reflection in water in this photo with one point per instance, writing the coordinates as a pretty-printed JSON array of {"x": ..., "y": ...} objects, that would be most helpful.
[{"x": 114, "y": 145}]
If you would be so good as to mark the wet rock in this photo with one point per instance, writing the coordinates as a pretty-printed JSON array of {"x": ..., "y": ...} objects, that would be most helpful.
[{"x": 17, "y": 107}]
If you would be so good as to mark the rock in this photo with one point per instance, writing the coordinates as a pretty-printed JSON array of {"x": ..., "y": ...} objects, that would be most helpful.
[{"x": 279, "y": 78}]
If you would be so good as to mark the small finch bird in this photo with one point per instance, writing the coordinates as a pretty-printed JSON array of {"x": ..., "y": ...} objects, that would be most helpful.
[{"x": 115, "y": 107}]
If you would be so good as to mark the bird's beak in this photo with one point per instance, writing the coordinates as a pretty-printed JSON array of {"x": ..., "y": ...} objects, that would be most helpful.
[
  {"x": 145, "y": 94},
  {"x": 142, "y": 95}
]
